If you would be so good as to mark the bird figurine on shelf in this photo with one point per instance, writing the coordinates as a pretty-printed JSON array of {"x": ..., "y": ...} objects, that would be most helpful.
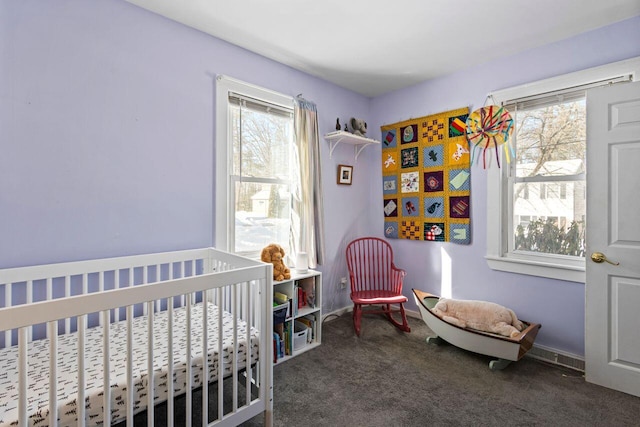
[{"x": 338, "y": 123}]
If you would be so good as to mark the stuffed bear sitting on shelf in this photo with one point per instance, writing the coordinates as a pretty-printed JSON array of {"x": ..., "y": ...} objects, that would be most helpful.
[
  {"x": 275, "y": 254},
  {"x": 479, "y": 315}
]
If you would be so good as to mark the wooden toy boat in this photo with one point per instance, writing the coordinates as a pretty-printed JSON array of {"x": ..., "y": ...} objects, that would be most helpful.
[{"x": 505, "y": 349}]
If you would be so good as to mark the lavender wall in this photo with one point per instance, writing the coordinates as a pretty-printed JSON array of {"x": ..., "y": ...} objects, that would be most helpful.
[
  {"x": 107, "y": 139},
  {"x": 557, "y": 305},
  {"x": 107, "y": 133}
]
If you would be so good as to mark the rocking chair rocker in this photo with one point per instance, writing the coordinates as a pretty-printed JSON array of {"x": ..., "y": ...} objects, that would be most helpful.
[{"x": 375, "y": 280}]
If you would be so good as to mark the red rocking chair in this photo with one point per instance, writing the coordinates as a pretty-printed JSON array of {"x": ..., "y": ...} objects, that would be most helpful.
[{"x": 375, "y": 280}]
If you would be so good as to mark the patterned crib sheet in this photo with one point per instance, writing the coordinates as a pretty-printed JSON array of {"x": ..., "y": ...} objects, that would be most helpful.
[{"x": 38, "y": 392}]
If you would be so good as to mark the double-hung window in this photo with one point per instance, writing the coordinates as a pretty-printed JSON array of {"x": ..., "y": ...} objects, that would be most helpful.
[
  {"x": 536, "y": 204},
  {"x": 550, "y": 142},
  {"x": 254, "y": 167}
]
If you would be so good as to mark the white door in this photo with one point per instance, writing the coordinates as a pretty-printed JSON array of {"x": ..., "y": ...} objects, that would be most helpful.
[{"x": 612, "y": 335}]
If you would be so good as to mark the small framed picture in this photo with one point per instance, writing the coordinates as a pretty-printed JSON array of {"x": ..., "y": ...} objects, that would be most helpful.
[{"x": 345, "y": 174}]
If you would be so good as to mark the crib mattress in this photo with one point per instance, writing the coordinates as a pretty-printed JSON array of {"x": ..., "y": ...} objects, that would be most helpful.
[{"x": 38, "y": 392}]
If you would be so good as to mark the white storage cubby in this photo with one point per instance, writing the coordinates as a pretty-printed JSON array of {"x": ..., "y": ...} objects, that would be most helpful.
[{"x": 299, "y": 329}]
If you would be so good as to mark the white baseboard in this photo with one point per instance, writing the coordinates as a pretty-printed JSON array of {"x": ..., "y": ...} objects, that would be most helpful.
[
  {"x": 336, "y": 313},
  {"x": 546, "y": 354},
  {"x": 413, "y": 314},
  {"x": 341, "y": 311},
  {"x": 556, "y": 357},
  {"x": 539, "y": 352}
]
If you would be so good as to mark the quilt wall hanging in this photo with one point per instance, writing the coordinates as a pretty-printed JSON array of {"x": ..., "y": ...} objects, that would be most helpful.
[{"x": 426, "y": 178}]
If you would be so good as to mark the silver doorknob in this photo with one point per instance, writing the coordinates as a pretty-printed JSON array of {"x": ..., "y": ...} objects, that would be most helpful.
[{"x": 600, "y": 257}]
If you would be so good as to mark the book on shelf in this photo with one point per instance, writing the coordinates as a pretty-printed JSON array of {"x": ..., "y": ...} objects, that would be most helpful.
[
  {"x": 280, "y": 298},
  {"x": 276, "y": 347},
  {"x": 301, "y": 297},
  {"x": 279, "y": 336},
  {"x": 308, "y": 286}
]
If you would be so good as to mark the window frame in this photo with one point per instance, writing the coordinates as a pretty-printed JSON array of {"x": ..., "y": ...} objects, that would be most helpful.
[
  {"x": 224, "y": 221},
  {"x": 499, "y": 198}
]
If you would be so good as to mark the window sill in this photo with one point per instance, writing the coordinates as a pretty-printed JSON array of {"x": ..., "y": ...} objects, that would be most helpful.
[{"x": 538, "y": 267}]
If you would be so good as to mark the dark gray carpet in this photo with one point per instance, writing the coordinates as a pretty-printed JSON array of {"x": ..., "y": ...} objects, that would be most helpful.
[{"x": 389, "y": 378}]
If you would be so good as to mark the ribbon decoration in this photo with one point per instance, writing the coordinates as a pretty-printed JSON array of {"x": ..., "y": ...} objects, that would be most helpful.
[{"x": 490, "y": 127}]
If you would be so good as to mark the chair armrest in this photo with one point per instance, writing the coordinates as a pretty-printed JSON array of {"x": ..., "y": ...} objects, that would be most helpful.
[
  {"x": 399, "y": 270},
  {"x": 397, "y": 278}
]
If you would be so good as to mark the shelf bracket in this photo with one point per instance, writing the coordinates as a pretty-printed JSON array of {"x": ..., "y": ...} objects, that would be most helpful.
[
  {"x": 333, "y": 145},
  {"x": 358, "y": 149}
]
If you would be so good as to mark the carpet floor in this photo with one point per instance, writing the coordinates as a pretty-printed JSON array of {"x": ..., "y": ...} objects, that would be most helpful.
[{"x": 390, "y": 378}]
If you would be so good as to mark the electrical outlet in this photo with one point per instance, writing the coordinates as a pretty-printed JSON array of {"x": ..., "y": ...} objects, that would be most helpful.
[{"x": 343, "y": 283}]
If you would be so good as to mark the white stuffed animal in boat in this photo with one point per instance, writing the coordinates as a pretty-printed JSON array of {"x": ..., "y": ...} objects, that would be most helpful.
[{"x": 480, "y": 315}]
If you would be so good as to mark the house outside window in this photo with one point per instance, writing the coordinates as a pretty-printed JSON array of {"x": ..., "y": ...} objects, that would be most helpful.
[
  {"x": 537, "y": 202},
  {"x": 254, "y": 159}
]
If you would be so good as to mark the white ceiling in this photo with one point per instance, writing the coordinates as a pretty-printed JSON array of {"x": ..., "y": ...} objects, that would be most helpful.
[{"x": 376, "y": 46}]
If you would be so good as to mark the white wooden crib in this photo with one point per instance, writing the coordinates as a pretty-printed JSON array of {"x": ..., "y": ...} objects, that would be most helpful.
[{"x": 92, "y": 331}]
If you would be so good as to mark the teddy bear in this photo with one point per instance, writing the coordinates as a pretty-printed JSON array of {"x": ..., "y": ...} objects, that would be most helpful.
[
  {"x": 480, "y": 315},
  {"x": 358, "y": 126},
  {"x": 274, "y": 254}
]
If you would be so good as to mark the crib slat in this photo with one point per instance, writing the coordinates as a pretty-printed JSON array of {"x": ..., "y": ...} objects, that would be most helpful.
[
  {"x": 85, "y": 284},
  {"x": 157, "y": 279},
  {"x": 8, "y": 342},
  {"x": 49, "y": 289},
  {"x": 82, "y": 324},
  {"x": 150, "y": 364},
  {"x": 221, "y": 308},
  {"x": 170, "y": 360},
  {"x": 7, "y": 303},
  {"x": 53, "y": 373},
  {"x": 29, "y": 291},
  {"x": 144, "y": 281},
  {"x": 67, "y": 293},
  {"x": 116, "y": 285},
  {"x": 248, "y": 318},
  {"x": 234, "y": 354},
  {"x": 193, "y": 273},
  {"x": 131, "y": 284},
  {"x": 182, "y": 297},
  {"x": 30, "y": 301},
  {"x": 23, "y": 384},
  {"x": 188, "y": 359},
  {"x": 106, "y": 369},
  {"x": 130, "y": 385},
  {"x": 205, "y": 360}
]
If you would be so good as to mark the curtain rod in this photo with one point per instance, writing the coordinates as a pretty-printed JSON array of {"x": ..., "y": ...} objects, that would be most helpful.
[
  {"x": 265, "y": 104},
  {"x": 618, "y": 79}
]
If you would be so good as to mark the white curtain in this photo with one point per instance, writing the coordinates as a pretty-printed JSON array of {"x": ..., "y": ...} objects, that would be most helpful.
[{"x": 307, "y": 214}]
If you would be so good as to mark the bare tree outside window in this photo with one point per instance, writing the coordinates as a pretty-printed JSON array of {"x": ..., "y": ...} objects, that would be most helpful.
[
  {"x": 549, "y": 178},
  {"x": 262, "y": 150}
]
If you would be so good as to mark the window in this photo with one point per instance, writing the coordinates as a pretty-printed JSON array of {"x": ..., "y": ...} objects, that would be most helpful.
[
  {"x": 550, "y": 144},
  {"x": 254, "y": 159},
  {"x": 537, "y": 203}
]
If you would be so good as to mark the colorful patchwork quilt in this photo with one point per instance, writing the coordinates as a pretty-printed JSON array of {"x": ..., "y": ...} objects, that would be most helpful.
[{"x": 426, "y": 178}]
